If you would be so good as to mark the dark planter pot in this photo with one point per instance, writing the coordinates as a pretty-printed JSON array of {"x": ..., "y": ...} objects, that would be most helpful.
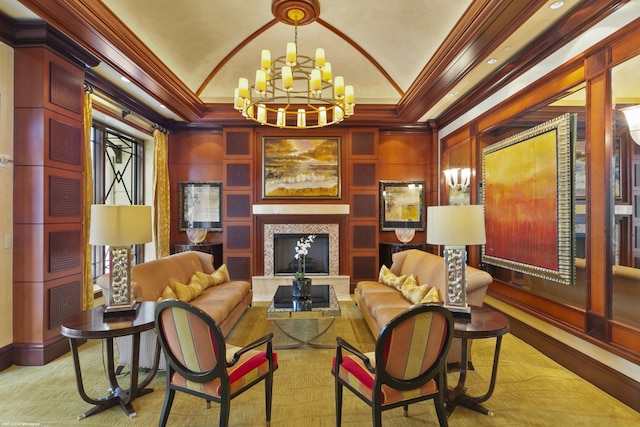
[{"x": 301, "y": 288}]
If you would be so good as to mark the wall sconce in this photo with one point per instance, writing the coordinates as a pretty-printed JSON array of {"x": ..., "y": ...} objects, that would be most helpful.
[
  {"x": 120, "y": 227},
  {"x": 633, "y": 121},
  {"x": 455, "y": 227},
  {"x": 458, "y": 179}
]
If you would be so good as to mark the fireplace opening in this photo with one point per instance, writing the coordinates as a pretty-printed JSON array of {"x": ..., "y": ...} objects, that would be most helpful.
[{"x": 284, "y": 261}]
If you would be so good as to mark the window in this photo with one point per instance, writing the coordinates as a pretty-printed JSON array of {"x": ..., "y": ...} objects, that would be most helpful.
[{"x": 118, "y": 179}]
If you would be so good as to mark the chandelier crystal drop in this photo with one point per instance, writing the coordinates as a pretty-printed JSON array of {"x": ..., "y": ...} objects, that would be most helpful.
[{"x": 295, "y": 91}]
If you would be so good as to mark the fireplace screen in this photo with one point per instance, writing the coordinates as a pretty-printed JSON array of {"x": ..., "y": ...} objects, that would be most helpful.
[{"x": 284, "y": 262}]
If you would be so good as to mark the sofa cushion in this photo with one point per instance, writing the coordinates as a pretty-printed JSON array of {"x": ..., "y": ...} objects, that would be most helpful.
[
  {"x": 218, "y": 301},
  {"x": 431, "y": 296},
  {"x": 367, "y": 287},
  {"x": 415, "y": 293},
  {"x": 168, "y": 293},
  {"x": 221, "y": 275},
  {"x": 187, "y": 292},
  {"x": 206, "y": 280},
  {"x": 390, "y": 279},
  {"x": 381, "y": 301}
]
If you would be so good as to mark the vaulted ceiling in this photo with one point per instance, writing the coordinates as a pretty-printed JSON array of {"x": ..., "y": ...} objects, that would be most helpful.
[{"x": 411, "y": 62}]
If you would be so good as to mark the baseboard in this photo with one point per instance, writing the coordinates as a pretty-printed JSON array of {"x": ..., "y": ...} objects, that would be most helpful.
[
  {"x": 6, "y": 358},
  {"x": 610, "y": 380}
]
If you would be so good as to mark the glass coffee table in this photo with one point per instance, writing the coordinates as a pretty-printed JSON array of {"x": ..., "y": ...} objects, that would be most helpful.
[{"x": 322, "y": 304}]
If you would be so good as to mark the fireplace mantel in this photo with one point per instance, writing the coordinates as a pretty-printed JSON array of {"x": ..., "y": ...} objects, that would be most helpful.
[{"x": 301, "y": 209}]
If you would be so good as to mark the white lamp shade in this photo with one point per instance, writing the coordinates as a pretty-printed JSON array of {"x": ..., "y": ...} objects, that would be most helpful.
[
  {"x": 632, "y": 115},
  {"x": 120, "y": 225},
  {"x": 456, "y": 225}
]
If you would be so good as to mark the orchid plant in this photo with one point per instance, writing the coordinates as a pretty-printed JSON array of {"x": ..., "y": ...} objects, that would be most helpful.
[{"x": 302, "y": 249}]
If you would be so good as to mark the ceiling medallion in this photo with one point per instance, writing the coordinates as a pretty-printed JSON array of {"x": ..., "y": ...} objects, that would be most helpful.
[{"x": 295, "y": 91}]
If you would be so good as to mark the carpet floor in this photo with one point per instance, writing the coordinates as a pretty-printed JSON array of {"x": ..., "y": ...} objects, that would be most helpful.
[{"x": 531, "y": 389}]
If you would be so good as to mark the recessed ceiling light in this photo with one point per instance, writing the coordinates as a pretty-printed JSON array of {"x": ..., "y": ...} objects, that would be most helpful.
[
  {"x": 492, "y": 61},
  {"x": 507, "y": 48},
  {"x": 452, "y": 94},
  {"x": 556, "y": 5},
  {"x": 162, "y": 106},
  {"x": 124, "y": 79}
]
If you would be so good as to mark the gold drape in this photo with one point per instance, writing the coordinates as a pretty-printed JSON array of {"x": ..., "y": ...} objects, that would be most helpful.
[
  {"x": 87, "y": 288},
  {"x": 161, "y": 190}
]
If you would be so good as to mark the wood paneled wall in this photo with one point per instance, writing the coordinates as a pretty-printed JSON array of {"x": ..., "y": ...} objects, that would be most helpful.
[
  {"x": 48, "y": 201},
  {"x": 235, "y": 158}
]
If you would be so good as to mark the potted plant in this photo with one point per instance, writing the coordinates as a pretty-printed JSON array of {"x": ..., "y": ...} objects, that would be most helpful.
[{"x": 301, "y": 284}]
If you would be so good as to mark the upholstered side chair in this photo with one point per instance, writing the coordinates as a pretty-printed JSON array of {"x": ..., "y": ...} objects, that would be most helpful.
[
  {"x": 407, "y": 366},
  {"x": 200, "y": 363}
]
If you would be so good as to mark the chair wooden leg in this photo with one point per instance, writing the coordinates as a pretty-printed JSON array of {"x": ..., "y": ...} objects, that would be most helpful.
[
  {"x": 268, "y": 393},
  {"x": 338, "y": 403},
  {"x": 225, "y": 406},
  {"x": 166, "y": 406},
  {"x": 405, "y": 411},
  {"x": 441, "y": 411},
  {"x": 377, "y": 415}
]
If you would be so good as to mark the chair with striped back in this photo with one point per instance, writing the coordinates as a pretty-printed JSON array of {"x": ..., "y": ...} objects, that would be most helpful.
[
  {"x": 200, "y": 363},
  {"x": 407, "y": 366}
]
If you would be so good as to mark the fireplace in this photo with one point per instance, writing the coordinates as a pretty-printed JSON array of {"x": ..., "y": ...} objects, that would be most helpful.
[
  {"x": 284, "y": 261},
  {"x": 279, "y": 249}
]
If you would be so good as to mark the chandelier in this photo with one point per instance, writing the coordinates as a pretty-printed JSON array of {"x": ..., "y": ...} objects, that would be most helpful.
[{"x": 295, "y": 91}]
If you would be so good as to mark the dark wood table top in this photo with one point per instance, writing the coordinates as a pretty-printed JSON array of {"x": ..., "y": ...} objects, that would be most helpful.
[
  {"x": 90, "y": 324},
  {"x": 484, "y": 323}
]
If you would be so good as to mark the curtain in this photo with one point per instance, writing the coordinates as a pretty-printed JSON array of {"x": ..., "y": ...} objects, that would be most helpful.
[
  {"x": 161, "y": 207},
  {"x": 87, "y": 286}
]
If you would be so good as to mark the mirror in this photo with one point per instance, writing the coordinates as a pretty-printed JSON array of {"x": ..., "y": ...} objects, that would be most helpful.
[{"x": 625, "y": 273}]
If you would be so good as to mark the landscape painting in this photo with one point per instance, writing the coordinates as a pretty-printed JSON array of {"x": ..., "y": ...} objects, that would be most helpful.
[
  {"x": 527, "y": 182},
  {"x": 301, "y": 168}
]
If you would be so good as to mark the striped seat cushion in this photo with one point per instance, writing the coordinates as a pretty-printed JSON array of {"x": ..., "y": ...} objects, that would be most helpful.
[
  {"x": 252, "y": 365},
  {"x": 409, "y": 350},
  {"x": 193, "y": 345},
  {"x": 356, "y": 374}
]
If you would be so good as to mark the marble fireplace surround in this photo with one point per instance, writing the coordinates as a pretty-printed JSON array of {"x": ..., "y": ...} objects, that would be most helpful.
[
  {"x": 332, "y": 230},
  {"x": 265, "y": 286}
]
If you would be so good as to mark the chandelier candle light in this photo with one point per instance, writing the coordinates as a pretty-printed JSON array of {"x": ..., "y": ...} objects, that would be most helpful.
[
  {"x": 295, "y": 91},
  {"x": 455, "y": 227}
]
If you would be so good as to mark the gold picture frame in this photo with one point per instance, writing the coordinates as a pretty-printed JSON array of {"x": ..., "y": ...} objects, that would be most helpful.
[{"x": 301, "y": 168}]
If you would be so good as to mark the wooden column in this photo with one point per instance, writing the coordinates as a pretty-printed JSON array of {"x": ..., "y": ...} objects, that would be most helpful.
[{"x": 48, "y": 245}]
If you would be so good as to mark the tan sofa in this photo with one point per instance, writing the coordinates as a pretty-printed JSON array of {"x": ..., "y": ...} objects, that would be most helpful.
[
  {"x": 379, "y": 303},
  {"x": 225, "y": 302}
]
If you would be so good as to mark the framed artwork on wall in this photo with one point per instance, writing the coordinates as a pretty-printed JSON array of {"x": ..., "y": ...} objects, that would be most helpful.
[
  {"x": 402, "y": 205},
  {"x": 200, "y": 205},
  {"x": 300, "y": 168},
  {"x": 528, "y": 201}
]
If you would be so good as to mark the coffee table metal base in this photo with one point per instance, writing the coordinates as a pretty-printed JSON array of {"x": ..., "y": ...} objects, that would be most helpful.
[
  {"x": 321, "y": 306},
  {"x": 302, "y": 342}
]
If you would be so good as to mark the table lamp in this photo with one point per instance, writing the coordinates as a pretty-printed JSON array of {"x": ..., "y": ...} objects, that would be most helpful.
[
  {"x": 455, "y": 227},
  {"x": 120, "y": 227}
]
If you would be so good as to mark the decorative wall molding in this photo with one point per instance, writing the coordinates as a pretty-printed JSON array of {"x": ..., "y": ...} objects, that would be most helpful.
[{"x": 300, "y": 209}]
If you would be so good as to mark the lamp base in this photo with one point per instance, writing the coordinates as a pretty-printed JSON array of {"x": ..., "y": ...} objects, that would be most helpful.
[
  {"x": 111, "y": 312},
  {"x": 459, "y": 312}
]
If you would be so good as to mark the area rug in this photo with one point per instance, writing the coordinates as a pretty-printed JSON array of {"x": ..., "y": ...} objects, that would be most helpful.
[{"x": 531, "y": 389}]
